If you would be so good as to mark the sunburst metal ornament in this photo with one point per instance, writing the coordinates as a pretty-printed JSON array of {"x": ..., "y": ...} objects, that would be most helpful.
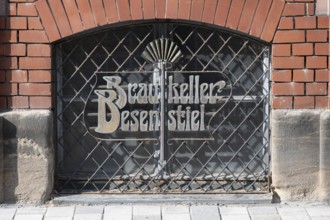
[{"x": 160, "y": 50}]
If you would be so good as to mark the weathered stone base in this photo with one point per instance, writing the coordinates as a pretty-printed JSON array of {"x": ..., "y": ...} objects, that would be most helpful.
[
  {"x": 300, "y": 152},
  {"x": 28, "y": 156}
]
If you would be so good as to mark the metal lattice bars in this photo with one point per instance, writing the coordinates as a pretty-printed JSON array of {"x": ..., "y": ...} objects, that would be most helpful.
[{"x": 235, "y": 158}]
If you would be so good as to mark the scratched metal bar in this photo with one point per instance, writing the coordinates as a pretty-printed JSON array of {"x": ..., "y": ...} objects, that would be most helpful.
[{"x": 237, "y": 160}]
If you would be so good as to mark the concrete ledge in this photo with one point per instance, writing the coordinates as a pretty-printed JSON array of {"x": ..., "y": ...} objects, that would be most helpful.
[
  {"x": 92, "y": 199},
  {"x": 28, "y": 156},
  {"x": 300, "y": 152}
]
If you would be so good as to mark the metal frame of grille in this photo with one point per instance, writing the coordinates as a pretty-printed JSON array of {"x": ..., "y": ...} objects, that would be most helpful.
[{"x": 238, "y": 159}]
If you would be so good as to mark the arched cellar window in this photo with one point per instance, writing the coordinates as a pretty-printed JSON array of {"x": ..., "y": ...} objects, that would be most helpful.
[{"x": 162, "y": 108}]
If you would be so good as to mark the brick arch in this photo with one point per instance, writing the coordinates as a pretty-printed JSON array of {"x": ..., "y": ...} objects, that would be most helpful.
[{"x": 63, "y": 18}]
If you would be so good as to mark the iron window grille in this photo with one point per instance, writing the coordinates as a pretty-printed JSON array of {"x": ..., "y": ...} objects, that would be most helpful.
[{"x": 236, "y": 160}]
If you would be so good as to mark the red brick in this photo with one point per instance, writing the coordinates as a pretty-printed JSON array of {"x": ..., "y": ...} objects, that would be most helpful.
[
  {"x": 303, "y": 102},
  {"x": 8, "y": 62},
  {"x": 73, "y": 15},
  {"x": 18, "y": 102},
  {"x": 12, "y": 9},
  {"x": 305, "y": 22},
  {"x": 322, "y": 75},
  {"x": 247, "y": 15},
  {"x": 160, "y": 8},
  {"x": 33, "y": 36},
  {"x": 8, "y": 89},
  {"x": 281, "y": 49},
  {"x": 47, "y": 20},
  {"x": 172, "y": 7},
  {"x": 41, "y": 89},
  {"x": 26, "y": 9},
  {"x": 136, "y": 9},
  {"x": 316, "y": 88},
  {"x": 304, "y": 75},
  {"x": 317, "y": 35},
  {"x": 34, "y": 23},
  {"x": 112, "y": 13},
  {"x": 310, "y": 8},
  {"x": 123, "y": 10},
  {"x": 148, "y": 9},
  {"x": 40, "y": 76},
  {"x": 293, "y": 9},
  {"x": 221, "y": 12},
  {"x": 37, "y": 102},
  {"x": 282, "y": 103},
  {"x": 86, "y": 14},
  {"x": 321, "y": 102},
  {"x": 60, "y": 17},
  {"x": 16, "y": 76},
  {"x": 286, "y": 23},
  {"x": 35, "y": 63},
  {"x": 272, "y": 20},
  {"x": 322, "y": 49},
  {"x": 290, "y": 36},
  {"x": 39, "y": 50},
  {"x": 323, "y": 22},
  {"x": 3, "y": 103},
  {"x": 209, "y": 11},
  {"x": 2, "y": 22},
  {"x": 302, "y": 49},
  {"x": 196, "y": 11},
  {"x": 319, "y": 62},
  {"x": 13, "y": 49},
  {"x": 16, "y": 23},
  {"x": 8, "y": 36},
  {"x": 98, "y": 11},
  {"x": 184, "y": 9},
  {"x": 2, "y": 76},
  {"x": 288, "y": 88},
  {"x": 288, "y": 62},
  {"x": 235, "y": 11},
  {"x": 282, "y": 76}
]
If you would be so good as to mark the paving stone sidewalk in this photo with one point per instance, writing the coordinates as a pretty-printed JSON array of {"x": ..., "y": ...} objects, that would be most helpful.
[{"x": 169, "y": 212}]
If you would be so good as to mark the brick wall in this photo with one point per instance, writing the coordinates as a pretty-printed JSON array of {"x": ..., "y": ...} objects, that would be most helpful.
[{"x": 300, "y": 41}]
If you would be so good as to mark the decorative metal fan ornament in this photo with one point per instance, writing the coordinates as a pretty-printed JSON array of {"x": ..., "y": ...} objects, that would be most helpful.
[{"x": 162, "y": 49}]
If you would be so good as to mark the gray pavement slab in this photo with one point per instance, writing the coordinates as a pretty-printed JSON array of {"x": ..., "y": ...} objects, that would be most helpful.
[
  {"x": 176, "y": 216},
  {"x": 31, "y": 211},
  {"x": 175, "y": 209},
  {"x": 57, "y": 218},
  {"x": 235, "y": 217},
  {"x": 318, "y": 211},
  {"x": 29, "y": 217},
  {"x": 265, "y": 217},
  {"x": 89, "y": 210},
  {"x": 60, "y": 211},
  {"x": 262, "y": 210},
  {"x": 204, "y": 212},
  {"x": 7, "y": 213},
  {"x": 118, "y": 212},
  {"x": 233, "y": 210},
  {"x": 146, "y": 212},
  {"x": 88, "y": 217}
]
